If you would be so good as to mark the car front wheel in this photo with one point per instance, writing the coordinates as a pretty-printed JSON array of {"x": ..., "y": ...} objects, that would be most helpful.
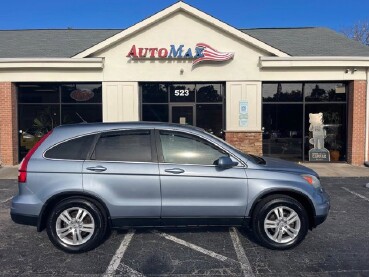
[
  {"x": 280, "y": 222},
  {"x": 76, "y": 225}
]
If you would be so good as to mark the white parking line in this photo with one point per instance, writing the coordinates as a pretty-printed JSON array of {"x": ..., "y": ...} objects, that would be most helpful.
[
  {"x": 6, "y": 200},
  {"x": 357, "y": 194},
  {"x": 195, "y": 247},
  {"x": 125, "y": 270},
  {"x": 115, "y": 261},
  {"x": 241, "y": 255}
]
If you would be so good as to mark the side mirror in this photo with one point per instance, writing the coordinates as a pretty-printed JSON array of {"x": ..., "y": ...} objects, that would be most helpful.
[{"x": 225, "y": 162}]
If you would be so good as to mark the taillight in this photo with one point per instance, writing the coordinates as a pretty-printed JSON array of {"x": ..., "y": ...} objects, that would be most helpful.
[{"x": 22, "y": 174}]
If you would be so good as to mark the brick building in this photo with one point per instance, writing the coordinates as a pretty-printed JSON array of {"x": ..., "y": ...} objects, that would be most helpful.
[{"x": 257, "y": 88}]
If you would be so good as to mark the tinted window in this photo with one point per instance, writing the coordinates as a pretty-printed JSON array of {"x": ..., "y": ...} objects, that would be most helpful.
[
  {"x": 156, "y": 112},
  {"x": 133, "y": 146},
  {"x": 38, "y": 93},
  {"x": 282, "y": 92},
  {"x": 184, "y": 149},
  {"x": 154, "y": 93},
  {"x": 209, "y": 93},
  {"x": 81, "y": 93},
  {"x": 322, "y": 92},
  {"x": 182, "y": 93},
  {"x": 74, "y": 149}
]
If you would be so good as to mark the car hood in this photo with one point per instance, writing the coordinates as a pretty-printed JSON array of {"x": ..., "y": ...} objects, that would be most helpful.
[{"x": 274, "y": 164}]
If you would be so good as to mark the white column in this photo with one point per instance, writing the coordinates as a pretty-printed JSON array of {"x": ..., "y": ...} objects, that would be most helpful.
[{"x": 120, "y": 101}]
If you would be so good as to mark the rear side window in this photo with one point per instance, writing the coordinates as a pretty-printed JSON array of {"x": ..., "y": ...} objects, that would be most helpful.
[
  {"x": 132, "y": 146},
  {"x": 74, "y": 149}
]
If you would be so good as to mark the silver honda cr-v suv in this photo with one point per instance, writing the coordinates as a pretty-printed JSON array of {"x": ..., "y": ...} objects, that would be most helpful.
[{"x": 81, "y": 180}]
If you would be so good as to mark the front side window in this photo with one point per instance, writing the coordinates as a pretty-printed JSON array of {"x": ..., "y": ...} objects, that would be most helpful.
[
  {"x": 131, "y": 146},
  {"x": 186, "y": 149}
]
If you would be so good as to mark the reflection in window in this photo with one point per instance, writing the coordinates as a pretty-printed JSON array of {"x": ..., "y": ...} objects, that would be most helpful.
[
  {"x": 215, "y": 112},
  {"x": 154, "y": 93},
  {"x": 282, "y": 92},
  {"x": 282, "y": 137},
  {"x": 38, "y": 93},
  {"x": 183, "y": 149},
  {"x": 73, "y": 113},
  {"x": 155, "y": 113},
  {"x": 209, "y": 93},
  {"x": 81, "y": 93},
  {"x": 318, "y": 92},
  {"x": 182, "y": 93}
]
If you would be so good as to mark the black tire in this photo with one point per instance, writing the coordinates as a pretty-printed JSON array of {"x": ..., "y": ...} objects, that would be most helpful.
[
  {"x": 99, "y": 219},
  {"x": 264, "y": 207}
]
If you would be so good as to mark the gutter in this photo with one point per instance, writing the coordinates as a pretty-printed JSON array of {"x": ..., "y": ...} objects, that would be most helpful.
[
  {"x": 93, "y": 63},
  {"x": 314, "y": 61}
]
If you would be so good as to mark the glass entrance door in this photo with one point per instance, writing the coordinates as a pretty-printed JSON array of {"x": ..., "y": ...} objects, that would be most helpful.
[{"x": 183, "y": 114}]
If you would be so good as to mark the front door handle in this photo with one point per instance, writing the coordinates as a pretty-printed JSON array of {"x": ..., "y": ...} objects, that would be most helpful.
[
  {"x": 175, "y": 170},
  {"x": 98, "y": 168}
]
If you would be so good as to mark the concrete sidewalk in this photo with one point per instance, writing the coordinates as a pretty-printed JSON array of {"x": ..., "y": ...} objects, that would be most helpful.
[
  {"x": 9, "y": 172},
  {"x": 323, "y": 169},
  {"x": 338, "y": 169}
]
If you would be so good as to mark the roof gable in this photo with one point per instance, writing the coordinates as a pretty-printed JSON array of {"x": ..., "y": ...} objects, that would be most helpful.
[{"x": 180, "y": 7}]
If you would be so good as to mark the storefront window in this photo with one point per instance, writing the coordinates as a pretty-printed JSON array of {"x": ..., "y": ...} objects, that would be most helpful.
[
  {"x": 282, "y": 92},
  {"x": 157, "y": 113},
  {"x": 199, "y": 104},
  {"x": 43, "y": 106},
  {"x": 305, "y": 121},
  {"x": 154, "y": 93},
  {"x": 209, "y": 93},
  {"x": 324, "y": 92},
  {"x": 282, "y": 136},
  {"x": 182, "y": 93}
]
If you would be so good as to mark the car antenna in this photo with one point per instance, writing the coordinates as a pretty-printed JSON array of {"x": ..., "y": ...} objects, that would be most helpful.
[{"x": 84, "y": 121}]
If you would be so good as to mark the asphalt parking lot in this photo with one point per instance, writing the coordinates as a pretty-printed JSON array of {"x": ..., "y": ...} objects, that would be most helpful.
[{"x": 339, "y": 247}]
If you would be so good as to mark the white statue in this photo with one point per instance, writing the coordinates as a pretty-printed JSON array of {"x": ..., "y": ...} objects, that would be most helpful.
[{"x": 317, "y": 127}]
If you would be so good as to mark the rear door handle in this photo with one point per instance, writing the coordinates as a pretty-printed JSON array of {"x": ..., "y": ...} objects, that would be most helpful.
[
  {"x": 175, "y": 170},
  {"x": 98, "y": 168}
]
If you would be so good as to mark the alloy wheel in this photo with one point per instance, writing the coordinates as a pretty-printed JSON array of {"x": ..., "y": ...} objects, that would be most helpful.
[{"x": 282, "y": 224}]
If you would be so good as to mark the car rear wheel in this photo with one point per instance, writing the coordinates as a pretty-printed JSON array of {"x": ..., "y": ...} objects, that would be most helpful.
[
  {"x": 280, "y": 222},
  {"x": 76, "y": 225}
]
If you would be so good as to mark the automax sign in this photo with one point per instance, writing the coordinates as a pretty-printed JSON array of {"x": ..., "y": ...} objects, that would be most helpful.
[{"x": 202, "y": 52}]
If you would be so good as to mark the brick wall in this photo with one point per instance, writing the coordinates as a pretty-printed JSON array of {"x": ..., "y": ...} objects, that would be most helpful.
[
  {"x": 8, "y": 124},
  {"x": 356, "y": 122},
  {"x": 249, "y": 142}
]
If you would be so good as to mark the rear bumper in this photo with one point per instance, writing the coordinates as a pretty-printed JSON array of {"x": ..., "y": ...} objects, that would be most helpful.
[{"x": 24, "y": 219}]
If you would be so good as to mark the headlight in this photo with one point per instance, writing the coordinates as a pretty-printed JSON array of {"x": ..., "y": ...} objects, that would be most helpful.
[{"x": 312, "y": 180}]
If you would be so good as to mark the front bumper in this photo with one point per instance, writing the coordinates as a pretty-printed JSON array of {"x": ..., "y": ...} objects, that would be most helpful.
[{"x": 322, "y": 209}]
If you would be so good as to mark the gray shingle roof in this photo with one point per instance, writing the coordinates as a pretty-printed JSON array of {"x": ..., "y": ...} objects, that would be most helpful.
[
  {"x": 69, "y": 42},
  {"x": 49, "y": 43},
  {"x": 309, "y": 41}
]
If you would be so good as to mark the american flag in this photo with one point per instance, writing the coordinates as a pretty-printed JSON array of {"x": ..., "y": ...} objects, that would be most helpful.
[{"x": 210, "y": 54}]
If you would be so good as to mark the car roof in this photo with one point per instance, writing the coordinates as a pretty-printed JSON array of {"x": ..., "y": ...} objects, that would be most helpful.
[{"x": 99, "y": 126}]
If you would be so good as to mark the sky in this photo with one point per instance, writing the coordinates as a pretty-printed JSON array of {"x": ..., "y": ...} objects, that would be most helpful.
[{"x": 119, "y": 14}]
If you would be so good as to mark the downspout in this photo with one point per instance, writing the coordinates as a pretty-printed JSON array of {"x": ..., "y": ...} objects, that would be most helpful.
[{"x": 367, "y": 119}]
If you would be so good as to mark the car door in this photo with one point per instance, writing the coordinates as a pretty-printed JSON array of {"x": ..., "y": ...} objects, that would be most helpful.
[
  {"x": 123, "y": 171},
  {"x": 195, "y": 190}
]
